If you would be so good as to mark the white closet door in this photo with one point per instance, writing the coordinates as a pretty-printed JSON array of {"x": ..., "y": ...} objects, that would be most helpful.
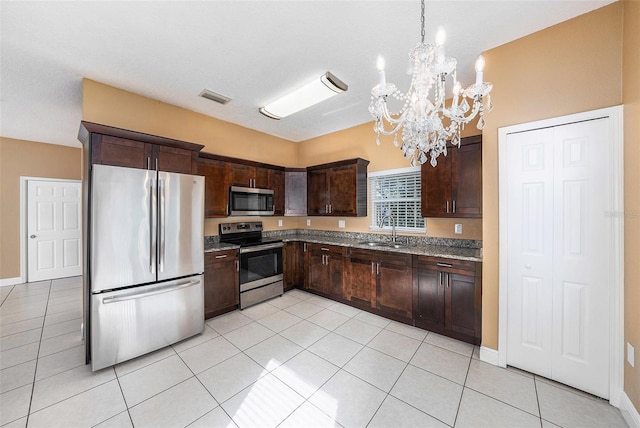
[
  {"x": 580, "y": 355},
  {"x": 530, "y": 242},
  {"x": 558, "y": 294}
]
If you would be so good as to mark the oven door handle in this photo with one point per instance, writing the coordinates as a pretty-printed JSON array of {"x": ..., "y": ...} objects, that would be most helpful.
[{"x": 261, "y": 248}]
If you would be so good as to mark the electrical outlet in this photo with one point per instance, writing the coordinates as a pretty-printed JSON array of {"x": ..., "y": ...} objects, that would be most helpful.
[
  {"x": 308, "y": 222},
  {"x": 341, "y": 224},
  {"x": 630, "y": 354},
  {"x": 458, "y": 229},
  {"x": 280, "y": 223}
]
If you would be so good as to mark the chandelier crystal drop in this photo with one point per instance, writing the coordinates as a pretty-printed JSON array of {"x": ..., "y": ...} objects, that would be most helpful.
[{"x": 427, "y": 123}]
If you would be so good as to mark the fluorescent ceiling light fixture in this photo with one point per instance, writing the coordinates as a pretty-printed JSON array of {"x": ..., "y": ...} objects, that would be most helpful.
[{"x": 312, "y": 93}]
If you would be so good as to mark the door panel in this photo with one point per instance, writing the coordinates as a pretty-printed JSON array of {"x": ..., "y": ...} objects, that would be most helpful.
[
  {"x": 54, "y": 245},
  {"x": 530, "y": 234},
  {"x": 180, "y": 225}
]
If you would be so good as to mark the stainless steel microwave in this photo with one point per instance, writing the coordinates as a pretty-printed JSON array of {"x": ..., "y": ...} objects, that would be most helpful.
[{"x": 245, "y": 201}]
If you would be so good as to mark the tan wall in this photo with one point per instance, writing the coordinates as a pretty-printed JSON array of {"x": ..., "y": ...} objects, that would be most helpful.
[
  {"x": 631, "y": 100},
  {"x": 28, "y": 159},
  {"x": 571, "y": 67}
]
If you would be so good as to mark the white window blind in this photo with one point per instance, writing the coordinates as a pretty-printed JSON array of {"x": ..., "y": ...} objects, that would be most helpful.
[{"x": 397, "y": 192}]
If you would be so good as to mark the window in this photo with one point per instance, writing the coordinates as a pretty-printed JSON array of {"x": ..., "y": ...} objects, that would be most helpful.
[{"x": 396, "y": 192}]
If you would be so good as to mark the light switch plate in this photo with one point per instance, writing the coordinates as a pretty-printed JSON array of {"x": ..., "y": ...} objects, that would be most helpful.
[
  {"x": 342, "y": 224},
  {"x": 458, "y": 228},
  {"x": 630, "y": 354},
  {"x": 280, "y": 223},
  {"x": 308, "y": 222}
]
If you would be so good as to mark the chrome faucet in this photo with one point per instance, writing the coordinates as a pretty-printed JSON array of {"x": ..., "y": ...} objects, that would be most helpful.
[{"x": 387, "y": 215}]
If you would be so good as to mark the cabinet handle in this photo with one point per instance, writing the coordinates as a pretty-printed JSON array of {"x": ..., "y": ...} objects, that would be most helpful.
[
  {"x": 440, "y": 279},
  {"x": 454, "y": 206},
  {"x": 444, "y": 265},
  {"x": 448, "y": 280},
  {"x": 156, "y": 164},
  {"x": 221, "y": 257},
  {"x": 324, "y": 249},
  {"x": 330, "y": 209},
  {"x": 447, "y": 206},
  {"x": 377, "y": 268},
  {"x": 304, "y": 247},
  {"x": 372, "y": 267},
  {"x": 237, "y": 266},
  {"x": 148, "y": 162}
]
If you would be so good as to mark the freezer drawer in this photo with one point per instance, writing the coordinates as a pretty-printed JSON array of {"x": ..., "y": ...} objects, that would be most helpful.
[{"x": 132, "y": 322}]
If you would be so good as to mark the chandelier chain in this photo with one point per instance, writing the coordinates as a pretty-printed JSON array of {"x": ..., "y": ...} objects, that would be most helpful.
[{"x": 422, "y": 20}]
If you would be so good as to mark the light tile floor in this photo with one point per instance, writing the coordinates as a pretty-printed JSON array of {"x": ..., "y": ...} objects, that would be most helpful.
[{"x": 295, "y": 361}]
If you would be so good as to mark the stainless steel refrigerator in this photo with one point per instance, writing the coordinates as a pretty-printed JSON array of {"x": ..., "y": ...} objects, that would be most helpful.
[{"x": 146, "y": 249}]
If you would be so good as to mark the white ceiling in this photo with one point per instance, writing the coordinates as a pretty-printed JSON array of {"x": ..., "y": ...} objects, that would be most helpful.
[{"x": 250, "y": 51}]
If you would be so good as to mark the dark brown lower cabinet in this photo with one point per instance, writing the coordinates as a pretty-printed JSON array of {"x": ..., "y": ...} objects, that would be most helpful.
[
  {"x": 380, "y": 280},
  {"x": 221, "y": 282},
  {"x": 293, "y": 265},
  {"x": 447, "y": 297},
  {"x": 324, "y": 270}
]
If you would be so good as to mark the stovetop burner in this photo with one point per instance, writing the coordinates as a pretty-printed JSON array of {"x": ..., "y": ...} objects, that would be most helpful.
[{"x": 246, "y": 234}]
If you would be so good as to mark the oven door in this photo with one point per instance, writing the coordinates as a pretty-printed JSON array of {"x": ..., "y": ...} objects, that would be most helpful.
[{"x": 260, "y": 265}]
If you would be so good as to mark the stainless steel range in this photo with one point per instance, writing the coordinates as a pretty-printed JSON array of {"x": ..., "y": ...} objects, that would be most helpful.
[{"x": 260, "y": 261}]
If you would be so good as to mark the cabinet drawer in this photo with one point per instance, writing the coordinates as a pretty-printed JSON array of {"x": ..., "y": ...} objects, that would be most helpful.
[
  {"x": 334, "y": 249},
  {"x": 445, "y": 265},
  {"x": 214, "y": 256}
]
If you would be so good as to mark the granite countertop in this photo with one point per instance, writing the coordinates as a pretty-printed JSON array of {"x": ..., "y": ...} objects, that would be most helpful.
[
  {"x": 444, "y": 251},
  {"x": 459, "y": 249},
  {"x": 210, "y": 246}
]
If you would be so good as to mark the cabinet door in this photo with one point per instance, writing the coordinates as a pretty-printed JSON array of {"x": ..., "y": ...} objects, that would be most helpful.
[
  {"x": 394, "y": 285},
  {"x": 216, "y": 189},
  {"x": 240, "y": 175},
  {"x": 436, "y": 188},
  {"x": 335, "y": 267},
  {"x": 290, "y": 264},
  {"x": 221, "y": 282},
  {"x": 317, "y": 192},
  {"x": 107, "y": 150},
  {"x": 261, "y": 178},
  {"x": 318, "y": 273},
  {"x": 460, "y": 308},
  {"x": 342, "y": 190},
  {"x": 276, "y": 183},
  {"x": 361, "y": 280},
  {"x": 466, "y": 181},
  {"x": 429, "y": 305},
  {"x": 172, "y": 159}
]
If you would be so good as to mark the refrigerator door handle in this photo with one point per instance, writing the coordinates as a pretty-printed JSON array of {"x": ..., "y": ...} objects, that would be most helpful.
[
  {"x": 136, "y": 295},
  {"x": 161, "y": 225}
]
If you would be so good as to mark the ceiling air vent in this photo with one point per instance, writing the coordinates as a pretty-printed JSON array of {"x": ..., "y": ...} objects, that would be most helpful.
[{"x": 210, "y": 95}]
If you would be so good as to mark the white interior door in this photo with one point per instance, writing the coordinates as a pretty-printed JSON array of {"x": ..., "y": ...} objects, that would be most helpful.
[
  {"x": 558, "y": 292},
  {"x": 54, "y": 229}
]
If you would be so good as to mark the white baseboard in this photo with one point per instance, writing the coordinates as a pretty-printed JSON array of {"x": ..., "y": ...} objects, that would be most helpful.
[
  {"x": 4, "y": 282},
  {"x": 489, "y": 355},
  {"x": 629, "y": 412}
]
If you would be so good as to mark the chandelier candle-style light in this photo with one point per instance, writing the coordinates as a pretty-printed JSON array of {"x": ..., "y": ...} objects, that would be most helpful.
[{"x": 422, "y": 119}]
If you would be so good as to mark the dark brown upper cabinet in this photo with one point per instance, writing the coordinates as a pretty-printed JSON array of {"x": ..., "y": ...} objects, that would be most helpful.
[
  {"x": 338, "y": 188},
  {"x": 119, "y": 147},
  {"x": 249, "y": 176},
  {"x": 454, "y": 187},
  {"x": 216, "y": 188}
]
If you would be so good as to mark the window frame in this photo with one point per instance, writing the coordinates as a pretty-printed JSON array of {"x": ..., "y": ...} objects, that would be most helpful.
[{"x": 372, "y": 176}]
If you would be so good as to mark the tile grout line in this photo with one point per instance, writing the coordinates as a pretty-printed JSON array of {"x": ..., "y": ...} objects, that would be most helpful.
[
  {"x": 466, "y": 376},
  {"x": 35, "y": 371}
]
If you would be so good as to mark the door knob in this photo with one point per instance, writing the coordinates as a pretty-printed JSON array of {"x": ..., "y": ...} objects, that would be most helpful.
[{"x": 32, "y": 236}]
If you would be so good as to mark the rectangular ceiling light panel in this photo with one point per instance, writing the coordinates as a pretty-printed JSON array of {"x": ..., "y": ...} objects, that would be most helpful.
[{"x": 312, "y": 93}]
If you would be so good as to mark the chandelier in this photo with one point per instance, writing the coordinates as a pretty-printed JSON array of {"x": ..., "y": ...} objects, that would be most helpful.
[{"x": 427, "y": 124}]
